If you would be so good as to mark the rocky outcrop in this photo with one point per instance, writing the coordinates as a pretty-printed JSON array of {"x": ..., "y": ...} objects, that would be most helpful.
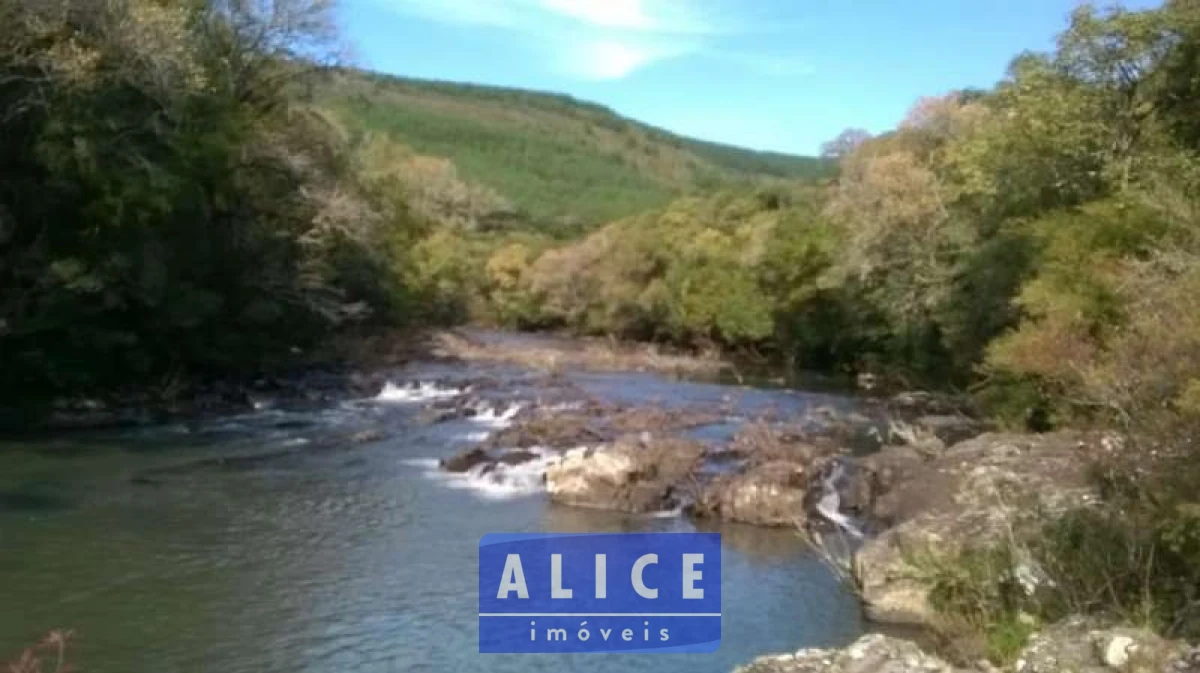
[
  {"x": 631, "y": 476},
  {"x": 1075, "y": 645},
  {"x": 972, "y": 494},
  {"x": 873, "y": 653},
  {"x": 760, "y": 442},
  {"x": 771, "y": 494},
  {"x": 557, "y": 430},
  {"x": 590, "y": 423},
  {"x": 1084, "y": 646},
  {"x": 949, "y": 429}
]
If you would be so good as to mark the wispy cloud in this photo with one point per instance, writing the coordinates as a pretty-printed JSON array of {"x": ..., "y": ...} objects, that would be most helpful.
[
  {"x": 608, "y": 39},
  {"x": 626, "y": 14},
  {"x": 500, "y": 13},
  {"x": 611, "y": 59}
]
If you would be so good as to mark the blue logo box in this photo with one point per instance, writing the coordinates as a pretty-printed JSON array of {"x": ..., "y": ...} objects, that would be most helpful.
[{"x": 558, "y": 593}]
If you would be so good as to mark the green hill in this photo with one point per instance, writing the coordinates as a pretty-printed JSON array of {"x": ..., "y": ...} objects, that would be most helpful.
[{"x": 556, "y": 159}]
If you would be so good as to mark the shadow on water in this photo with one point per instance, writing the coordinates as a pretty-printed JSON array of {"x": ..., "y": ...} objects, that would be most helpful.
[
  {"x": 758, "y": 544},
  {"x": 35, "y": 497}
]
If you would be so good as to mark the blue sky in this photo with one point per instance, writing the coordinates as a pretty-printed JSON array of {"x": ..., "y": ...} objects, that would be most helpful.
[{"x": 782, "y": 75}]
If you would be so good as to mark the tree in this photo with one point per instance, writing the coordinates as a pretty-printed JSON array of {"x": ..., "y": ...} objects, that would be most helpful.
[
  {"x": 845, "y": 143},
  {"x": 169, "y": 208}
]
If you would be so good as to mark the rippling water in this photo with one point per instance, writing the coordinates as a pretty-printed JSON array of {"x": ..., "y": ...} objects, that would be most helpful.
[{"x": 351, "y": 559}]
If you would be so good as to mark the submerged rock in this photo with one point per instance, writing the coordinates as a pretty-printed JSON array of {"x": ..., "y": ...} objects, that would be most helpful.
[
  {"x": 368, "y": 436},
  {"x": 480, "y": 462},
  {"x": 516, "y": 457},
  {"x": 629, "y": 476},
  {"x": 874, "y": 653},
  {"x": 465, "y": 460}
]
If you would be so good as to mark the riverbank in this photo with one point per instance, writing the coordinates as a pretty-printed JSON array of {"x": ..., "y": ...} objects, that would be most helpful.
[{"x": 349, "y": 367}]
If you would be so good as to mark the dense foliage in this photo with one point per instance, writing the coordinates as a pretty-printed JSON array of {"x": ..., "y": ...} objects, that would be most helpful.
[
  {"x": 166, "y": 207},
  {"x": 1046, "y": 233}
]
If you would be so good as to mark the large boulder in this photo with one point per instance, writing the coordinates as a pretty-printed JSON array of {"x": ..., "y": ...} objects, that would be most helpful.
[
  {"x": 771, "y": 494},
  {"x": 974, "y": 494},
  {"x": 639, "y": 476},
  {"x": 874, "y": 653},
  {"x": 871, "y": 478}
]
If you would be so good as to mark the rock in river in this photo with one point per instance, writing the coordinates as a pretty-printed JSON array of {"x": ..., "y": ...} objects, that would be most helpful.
[
  {"x": 771, "y": 494},
  {"x": 465, "y": 460},
  {"x": 630, "y": 475},
  {"x": 471, "y": 459}
]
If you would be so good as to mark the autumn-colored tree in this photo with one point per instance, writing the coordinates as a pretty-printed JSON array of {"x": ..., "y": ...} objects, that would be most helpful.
[{"x": 845, "y": 143}]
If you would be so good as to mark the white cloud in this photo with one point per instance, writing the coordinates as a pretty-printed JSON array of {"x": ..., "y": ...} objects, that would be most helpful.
[
  {"x": 613, "y": 59},
  {"x": 609, "y": 39}
]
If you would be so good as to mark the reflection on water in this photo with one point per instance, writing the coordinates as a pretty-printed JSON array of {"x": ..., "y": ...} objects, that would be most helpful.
[
  {"x": 757, "y": 545},
  {"x": 342, "y": 558}
]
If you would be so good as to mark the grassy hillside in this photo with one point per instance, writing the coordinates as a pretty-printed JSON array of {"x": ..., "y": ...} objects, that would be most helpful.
[{"x": 557, "y": 159}]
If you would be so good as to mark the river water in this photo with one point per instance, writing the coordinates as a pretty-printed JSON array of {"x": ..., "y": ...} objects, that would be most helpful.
[{"x": 359, "y": 558}]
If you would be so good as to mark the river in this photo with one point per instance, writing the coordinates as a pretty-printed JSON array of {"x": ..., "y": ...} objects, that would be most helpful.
[{"x": 361, "y": 558}]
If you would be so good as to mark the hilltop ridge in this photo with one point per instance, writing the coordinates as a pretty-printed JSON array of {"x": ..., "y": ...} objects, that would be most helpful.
[{"x": 556, "y": 159}]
